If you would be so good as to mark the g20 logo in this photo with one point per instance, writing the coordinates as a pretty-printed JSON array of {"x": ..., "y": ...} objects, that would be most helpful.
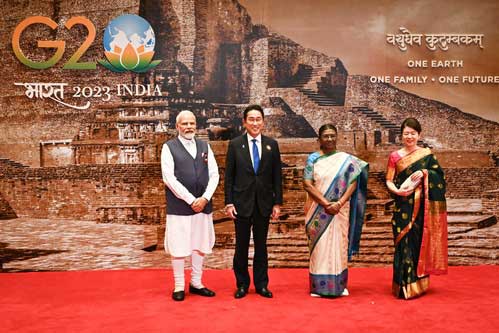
[
  {"x": 59, "y": 45},
  {"x": 128, "y": 43}
]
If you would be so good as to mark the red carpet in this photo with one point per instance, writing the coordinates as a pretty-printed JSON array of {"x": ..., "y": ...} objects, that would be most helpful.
[{"x": 465, "y": 300}]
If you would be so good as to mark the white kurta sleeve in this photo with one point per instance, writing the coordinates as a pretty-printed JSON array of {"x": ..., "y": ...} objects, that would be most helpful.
[
  {"x": 212, "y": 174},
  {"x": 167, "y": 170}
]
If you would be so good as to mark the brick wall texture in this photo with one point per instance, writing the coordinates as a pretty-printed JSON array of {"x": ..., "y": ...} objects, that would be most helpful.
[{"x": 135, "y": 193}]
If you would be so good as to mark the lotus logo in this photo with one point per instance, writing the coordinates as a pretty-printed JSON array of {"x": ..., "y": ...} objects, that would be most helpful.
[{"x": 129, "y": 45}]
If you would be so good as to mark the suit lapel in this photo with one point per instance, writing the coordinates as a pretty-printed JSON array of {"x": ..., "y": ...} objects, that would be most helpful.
[
  {"x": 265, "y": 152},
  {"x": 246, "y": 152}
]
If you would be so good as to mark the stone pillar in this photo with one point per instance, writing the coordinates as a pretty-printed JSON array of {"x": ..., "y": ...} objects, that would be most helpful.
[
  {"x": 185, "y": 12},
  {"x": 259, "y": 52}
]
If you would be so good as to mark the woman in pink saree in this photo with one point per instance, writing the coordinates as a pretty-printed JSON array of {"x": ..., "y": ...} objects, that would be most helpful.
[{"x": 420, "y": 215}]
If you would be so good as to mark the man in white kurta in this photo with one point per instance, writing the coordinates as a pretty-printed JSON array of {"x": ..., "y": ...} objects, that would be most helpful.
[{"x": 190, "y": 233}]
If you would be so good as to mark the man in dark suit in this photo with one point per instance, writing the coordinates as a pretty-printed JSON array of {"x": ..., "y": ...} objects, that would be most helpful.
[{"x": 253, "y": 194}]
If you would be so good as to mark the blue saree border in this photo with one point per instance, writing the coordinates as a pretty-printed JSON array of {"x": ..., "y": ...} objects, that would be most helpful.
[
  {"x": 357, "y": 208},
  {"x": 320, "y": 214},
  {"x": 358, "y": 202},
  {"x": 328, "y": 284}
]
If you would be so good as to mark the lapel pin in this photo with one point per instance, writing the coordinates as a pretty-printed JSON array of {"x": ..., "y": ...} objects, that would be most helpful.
[{"x": 268, "y": 147}]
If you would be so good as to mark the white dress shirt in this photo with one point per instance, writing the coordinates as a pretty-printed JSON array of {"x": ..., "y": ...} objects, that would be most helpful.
[{"x": 258, "y": 144}]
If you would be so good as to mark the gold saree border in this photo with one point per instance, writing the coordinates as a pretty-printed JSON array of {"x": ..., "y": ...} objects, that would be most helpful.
[
  {"x": 412, "y": 290},
  {"x": 437, "y": 253},
  {"x": 410, "y": 159},
  {"x": 431, "y": 255},
  {"x": 438, "y": 207},
  {"x": 390, "y": 173}
]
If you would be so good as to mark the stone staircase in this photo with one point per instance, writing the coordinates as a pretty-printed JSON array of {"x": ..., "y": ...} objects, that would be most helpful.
[
  {"x": 302, "y": 77},
  {"x": 386, "y": 124},
  {"x": 307, "y": 80},
  {"x": 287, "y": 242},
  {"x": 376, "y": 117},
  {"x": 319, "y": 98},
  {"x": 309, "y": 77},
  {"x": 10, "y": 163}
]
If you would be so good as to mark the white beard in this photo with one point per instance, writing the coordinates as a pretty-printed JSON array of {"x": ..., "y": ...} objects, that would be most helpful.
[{"x": 188, "y": 136}]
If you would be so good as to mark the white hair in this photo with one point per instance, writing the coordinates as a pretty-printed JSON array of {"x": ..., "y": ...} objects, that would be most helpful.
[{"x": 183, "y": 113}]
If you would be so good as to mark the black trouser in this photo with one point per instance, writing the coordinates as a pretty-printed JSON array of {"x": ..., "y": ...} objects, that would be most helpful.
[{"x": 243, "y": 225}]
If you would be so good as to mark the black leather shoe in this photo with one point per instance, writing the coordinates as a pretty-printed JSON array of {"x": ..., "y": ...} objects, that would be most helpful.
[
  {"x": 201, "y": 291},
  {"x": 178, "y": 295},
  {"x": 241, "y": 292},
  {"x": 264, "y": 292}
]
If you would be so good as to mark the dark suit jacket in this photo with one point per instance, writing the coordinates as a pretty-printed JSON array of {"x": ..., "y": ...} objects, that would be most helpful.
[{"x": 243, "y": 187}]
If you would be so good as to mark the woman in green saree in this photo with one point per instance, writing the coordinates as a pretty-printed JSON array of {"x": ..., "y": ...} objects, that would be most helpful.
[
  {"x": 420, "y": 215},
  {"x": 336, "y": 184}
]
